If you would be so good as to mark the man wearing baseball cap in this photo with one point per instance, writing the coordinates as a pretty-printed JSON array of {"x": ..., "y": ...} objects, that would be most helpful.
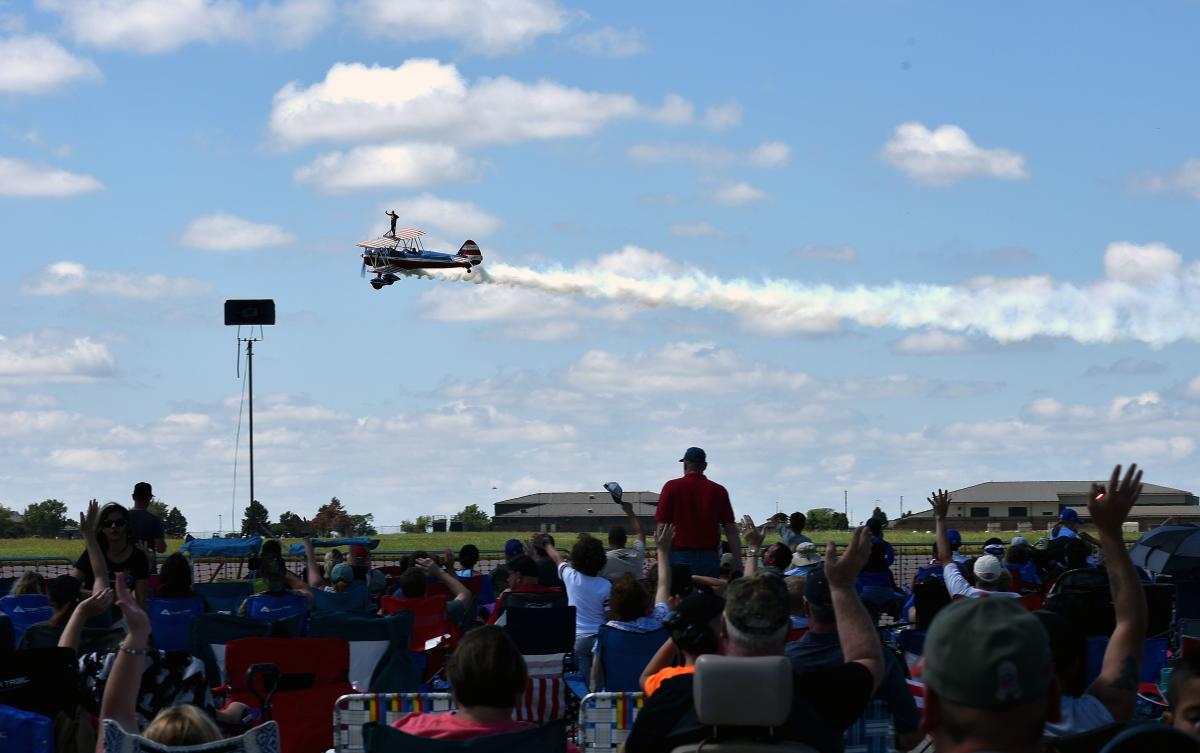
[
  {"x": 990, "y": 576},
  {"x": 989, "y": 679},
  {"x": 754, "y": 622},
  {"x": 700, "y": 509}
]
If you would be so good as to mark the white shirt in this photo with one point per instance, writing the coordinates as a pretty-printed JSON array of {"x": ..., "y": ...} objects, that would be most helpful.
[
  {"x": 957, "y": 585},
  {"x": 589, "y": 595},
  {"x": 1081, "y": 714},
  {"x": 628, "y": 560}
]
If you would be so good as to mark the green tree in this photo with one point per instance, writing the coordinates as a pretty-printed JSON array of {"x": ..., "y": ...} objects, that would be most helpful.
[
  {"x": 174, "y": 524},
  {"x": 11, "y": 525},
  {"x": 363, "y": 525},
  {"x": 474, "y": 519},
  {"x": 826, "y": 519},
  {"x": 256, "y": 519},
  {"x": 291, "y": 524},
  {"x": 879, "y": 514},
  {"x": 420, "y": 525},
  {"x": 157, "y": 508},
  {"x": 46, "y": 518},
  {"x": 333, "y": 517}
]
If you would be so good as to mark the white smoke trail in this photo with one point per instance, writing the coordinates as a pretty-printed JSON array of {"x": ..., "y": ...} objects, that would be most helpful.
[{"x": 1146, "y": 295}]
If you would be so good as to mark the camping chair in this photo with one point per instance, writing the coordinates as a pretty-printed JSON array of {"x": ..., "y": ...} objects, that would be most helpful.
[
  {"x": 304, "y": 678},
  {"x": 25, "y": 610},
  {"x": 432, "y": 634},
  {"x": 872, "y": 732},
  {"x": 379, "y": 657},
  {"x": 90, "y": 639},
  {"x": 546, "y": 638},
  {"x": 211, "y": 633},
  {"x": 351, "y": 712},
  {"x": 545, "y": 600},
  {"x": 353, "y": 600},
  {"x": 621, "y": 656},
  {"x": 547, "y": 738},
  {"x": 8, "y": 643},
  {"x": 605, "y": 720},
  {"x": 1154, "y": 658},
  {"x": 224, "y": 597},
  {"x": 41, "y": 680},
  {"x": 1084, "y": 742},
  {"x": 6, "y": 585},
  {"x": 262, "y": 739},
  {"x": 742, "y": 692},
  {"x": 268, "y": 607},
  {"x": 171, "y": 621},
  {"x": 26, "y": 731}
]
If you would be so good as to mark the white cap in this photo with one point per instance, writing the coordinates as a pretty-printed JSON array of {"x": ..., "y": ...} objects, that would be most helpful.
[
  {"x": 988, "y": 568},
  {"x": 1019, "y": 540}
]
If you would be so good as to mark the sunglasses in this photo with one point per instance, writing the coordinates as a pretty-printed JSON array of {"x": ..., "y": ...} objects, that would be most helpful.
[{"x": 114, "y": 523}]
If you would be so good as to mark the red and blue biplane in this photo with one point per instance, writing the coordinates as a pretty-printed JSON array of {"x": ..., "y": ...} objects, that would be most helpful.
[{"x": 401, "y": 252}]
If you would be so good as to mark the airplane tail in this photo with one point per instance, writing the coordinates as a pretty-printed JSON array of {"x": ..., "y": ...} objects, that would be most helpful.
[{"x": 470, "y": 249}]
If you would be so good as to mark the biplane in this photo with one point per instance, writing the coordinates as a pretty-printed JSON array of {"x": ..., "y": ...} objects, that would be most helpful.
[{"x": 394, "y": 254}]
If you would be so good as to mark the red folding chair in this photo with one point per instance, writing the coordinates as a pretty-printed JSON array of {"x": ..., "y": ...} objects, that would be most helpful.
[
  {"x": 295, "y": 681},
  {"x": 1032, "y": 602},
  {"x": 432, "y": 635}
]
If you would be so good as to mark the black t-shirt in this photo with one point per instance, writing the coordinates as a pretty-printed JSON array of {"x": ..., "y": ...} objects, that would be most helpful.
[
  {"x": 145, "y": 528},
  {"x": 824, "y": 703},
  {"x": 136, "y": 568}
]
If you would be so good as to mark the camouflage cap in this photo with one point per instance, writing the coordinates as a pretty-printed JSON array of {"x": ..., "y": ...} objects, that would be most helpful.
[{"x": 757, "y": 605}]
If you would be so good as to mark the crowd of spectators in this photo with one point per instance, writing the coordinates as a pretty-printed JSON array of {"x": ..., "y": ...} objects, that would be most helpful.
[{"x": 977, "y": 653}]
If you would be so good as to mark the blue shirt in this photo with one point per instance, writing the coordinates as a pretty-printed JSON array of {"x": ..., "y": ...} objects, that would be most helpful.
[
  {"x": 824, "y": 650},
  {"x": 791, "y": 539}
]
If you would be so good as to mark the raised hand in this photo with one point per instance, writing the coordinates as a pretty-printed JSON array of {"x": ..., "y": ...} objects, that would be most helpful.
[
  {"x": 842, "y": 571},
  {"x": 97, "y": 603},
  {"x": 752, "y": 534},
  {"x": 137, "y": 622},
  {"x": 1110, "y": 508},
  {"x": 664, "y": 535},
  {"x": 941, "y": 503},
  {"x": 89, "y": 519}
]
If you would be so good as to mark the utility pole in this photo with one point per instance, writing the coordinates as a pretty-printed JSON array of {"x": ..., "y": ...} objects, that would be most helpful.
[
  {"x": 902, "y": 505},
  {"x": 846, "y": 505},
  {"x": 250, "y": 377}
]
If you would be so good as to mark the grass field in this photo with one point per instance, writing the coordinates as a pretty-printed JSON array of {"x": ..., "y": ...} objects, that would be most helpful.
[{"x": 485, "y": 540}]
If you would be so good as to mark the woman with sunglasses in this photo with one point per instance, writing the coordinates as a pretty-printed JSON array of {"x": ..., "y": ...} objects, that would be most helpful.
[{"x": 109, "y": 533}]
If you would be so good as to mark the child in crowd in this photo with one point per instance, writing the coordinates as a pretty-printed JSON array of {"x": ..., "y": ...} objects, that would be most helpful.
[
  {"x": 1183, "y": 696},
  {"x": 29, "y": 583}
]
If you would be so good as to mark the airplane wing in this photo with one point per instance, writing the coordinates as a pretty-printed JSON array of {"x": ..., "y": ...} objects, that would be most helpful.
[{"x": 384, "y": 241}]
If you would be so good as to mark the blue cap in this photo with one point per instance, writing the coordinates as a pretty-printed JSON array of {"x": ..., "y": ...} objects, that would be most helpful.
[
  {"x": 694, "y": 455},
  {"x": 1069, "y": 515},
  {"x": 513, "y": 547},
  {"x": 955, "y": 538}
]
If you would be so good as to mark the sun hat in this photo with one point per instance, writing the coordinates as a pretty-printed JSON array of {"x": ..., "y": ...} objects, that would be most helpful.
[
  {"x": 806, "y": 554},
  {"x": 988, "y": 568}
]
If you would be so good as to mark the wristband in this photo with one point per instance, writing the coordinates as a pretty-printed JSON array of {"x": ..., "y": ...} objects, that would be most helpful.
[
  {"x": 752, "y": 552},
  {"x": 132, "y": 651}
]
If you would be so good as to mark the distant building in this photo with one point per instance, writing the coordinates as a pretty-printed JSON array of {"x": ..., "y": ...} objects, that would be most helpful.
[
  {"x": 1035, "y": 506},
  {"x": 594, "y": 512}
]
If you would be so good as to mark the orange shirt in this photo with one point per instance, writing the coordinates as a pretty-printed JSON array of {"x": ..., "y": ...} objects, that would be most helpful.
[{"x": 656, "y": 679}]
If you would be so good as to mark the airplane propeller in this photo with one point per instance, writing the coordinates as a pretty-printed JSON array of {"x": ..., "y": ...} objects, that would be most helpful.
[{"x": 362, "y": 272}]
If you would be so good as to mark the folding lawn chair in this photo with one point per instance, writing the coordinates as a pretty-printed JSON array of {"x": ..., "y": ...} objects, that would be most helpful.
[
  {"x": 262, "y": 739},
  {"x": 379, "y": 656},
  {"x": 26, "y": 731},
  {"x": 171, "y": 621},
  {"x": 90, "y": 639},
  {"x": 25, "y": 610},
  {"x": 295, "y": 681},
  {"x": 546, "y": 738},
  {"x": 211, "y": 633},
  {"x": 605, "y": 720},
  {"x": 268, "y": 607},
  {"x": 872, "y": 732},
  {"x": 622, "y": 655},
  {"x": 41, "y": 680},
  {"x": 351, "y": 601},
  {"x": 224, "y": 597},
  {"x": 351, "y": 712},
  {"x": 546, "y": 638},
  {"x": 8, "y": 642}
]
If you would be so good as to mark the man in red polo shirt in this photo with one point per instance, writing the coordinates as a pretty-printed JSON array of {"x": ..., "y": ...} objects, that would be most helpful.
[{"x": 699, "y": 508}]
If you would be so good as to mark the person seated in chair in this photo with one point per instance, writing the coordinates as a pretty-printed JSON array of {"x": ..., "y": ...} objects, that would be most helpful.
[
  {"x": 414, "y": 581},
  {"x": 487, "y": 677},
  {"x": 175, "y": 578},
  {"x": 522, "y": 579},
  {"x": 1183, "y": 696}
]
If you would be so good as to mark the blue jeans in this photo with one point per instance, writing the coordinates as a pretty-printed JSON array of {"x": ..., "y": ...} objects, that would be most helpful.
[{"x": 701, "y": 561}]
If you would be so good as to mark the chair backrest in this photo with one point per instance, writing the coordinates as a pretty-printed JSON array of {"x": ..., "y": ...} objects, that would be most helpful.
[
  {"x": 8, "y": 640},
  {"x": 743, "y": 691},
  {"x": 605, "y": 720},
  {"x": 42, "y": 680},
  {"x": 224, "y": 597},
  {"x": 541, "y": 631},
  {"x": 6, "y": 585},
  {"x": 212, "y": 632},
  {"x": 429, "y": 617},
  {"x": 90, "y": 639},
  {"x": 623, "y": 656},
  {"x": 437, "y": 588},
  {"x": 171, "y": 621},
  {"x": 546, "y": 738},
  {"x": 267, "y": 607},
  {"x": 26, "y": 731},
  {"x": 545, "y": 600},
  {"x": 379, "y": 658},
  {"x": 352, "y": 600},
  {"x": 351, "y": 712},
  {"x": 262, "y": 739},
  {"x": 25, "y": 610},
  {"x": 1154, "y": 658}
]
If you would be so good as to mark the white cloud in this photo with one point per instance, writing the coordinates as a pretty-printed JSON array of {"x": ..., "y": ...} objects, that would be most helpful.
[
  {"x": 674, "y": 111},
  {"x": 609, "y": 42},
  {"x": 90, "y": 459},
  {"x": 71, "y": 277},
  {"x": 424, "y": 99},
  {"x": 721, "y": 117},
  {"x": 1135, "y": 264},
  {"x": 488, "y": 27},
  {"x": 450, "y": 217},
  {"x": 693, "y": 229},
  {"x": 1193, "y": 387},
  {"x": 1136, "y": 407},
  {"x": 1145, "y": 449},
  {"x": 155, "y": 26},
  {"x": 44, "y": 358},
  {"x": 226, "y": 232},
  {"x": 36, "y": 64},
  {"x": 1184, "y": 179},
  {"x": 947, "y": 155},
  {"x": 1050, "y": 409},
  {"x": 768, "y": 154},
  {"x": 843, "y": 463},
  {"x": 737, "y": 194},
  {"x": 405, "y": 165},
  {"x": 825, "y": 252},
  {"x": 933, "y": 341},
  {"x": 25, "y": 179}
]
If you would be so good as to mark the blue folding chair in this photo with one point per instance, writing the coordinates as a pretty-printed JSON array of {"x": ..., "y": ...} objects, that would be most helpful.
[
  {"x": 25, "y": 610},
  {"x": 26, "y": 731},
  {"x": 379, "y": 656},
  {"x": 352, "y": 600},
  {"x": 224, "y": 597},
  {"x": 171, "y": 621},
  {"x": 269, "y": 608},
  {"x": 8, "y": 643},
  {"x": 623, "y": 655}
]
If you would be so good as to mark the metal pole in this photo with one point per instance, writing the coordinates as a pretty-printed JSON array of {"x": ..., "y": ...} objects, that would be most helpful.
[{"x": 250, "y": 377}]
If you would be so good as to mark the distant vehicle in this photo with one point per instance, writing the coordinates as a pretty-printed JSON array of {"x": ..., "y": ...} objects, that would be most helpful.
[{"x": 391, "y": 255}]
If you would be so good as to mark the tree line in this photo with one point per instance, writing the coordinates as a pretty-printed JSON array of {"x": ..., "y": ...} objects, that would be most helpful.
[{"x": 48, "y": 519}]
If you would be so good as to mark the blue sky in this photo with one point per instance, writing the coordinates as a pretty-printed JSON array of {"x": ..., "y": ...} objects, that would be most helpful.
[{"x": 879, "y": 248}]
